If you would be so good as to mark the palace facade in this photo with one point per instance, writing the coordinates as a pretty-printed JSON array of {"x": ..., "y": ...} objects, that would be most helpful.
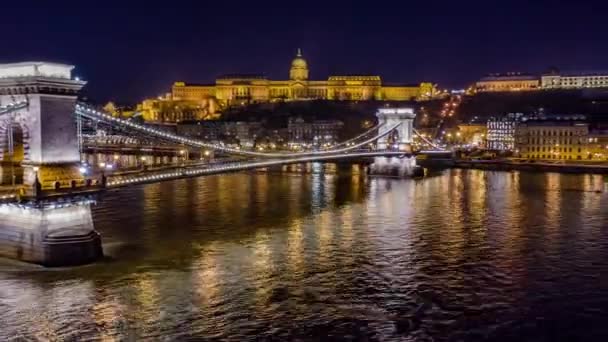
[
  {"x": 242, "y": 89},
  {"x": 507, "y": 82}
]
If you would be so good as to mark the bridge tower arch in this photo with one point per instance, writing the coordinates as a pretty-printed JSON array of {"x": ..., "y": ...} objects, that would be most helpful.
[
  {"x": 14, "y": 149},
  {"x": 47, "y": 123},
  {"x": 389, "y": 117}
]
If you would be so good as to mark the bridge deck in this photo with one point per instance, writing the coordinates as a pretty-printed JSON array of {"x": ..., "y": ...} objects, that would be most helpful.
[{"x": 185, "y": 172}]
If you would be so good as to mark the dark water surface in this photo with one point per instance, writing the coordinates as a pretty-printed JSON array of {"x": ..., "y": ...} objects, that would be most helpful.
[{"x": 462, "y": 255}]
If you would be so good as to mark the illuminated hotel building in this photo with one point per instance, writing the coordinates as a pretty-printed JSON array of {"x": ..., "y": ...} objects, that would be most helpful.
[
  {"x": 501, "y": 132},
  {"x": 242, "y": 89},
  {"x": 565, "y": 139}
]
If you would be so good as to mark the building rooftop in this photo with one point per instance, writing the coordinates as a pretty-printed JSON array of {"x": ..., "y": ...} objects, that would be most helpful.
[
  {"x": 188, "y": 84},
  {"x": 242, "y": 76},
  {"x": 407, "y": 85},
  {"x": 578, "y": 73},
  {"x": 555, "y": 119},
  {"x": 354, "y": 77},
  {"x": 553, "y": 123},
  {"x": 512, "y": 76},
  {"x": 33, "y": 63},
  {"x": 29, "y": 69}
]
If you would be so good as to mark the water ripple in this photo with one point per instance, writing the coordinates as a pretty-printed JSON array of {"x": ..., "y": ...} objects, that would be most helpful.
[{"x": 460, "y": 256}]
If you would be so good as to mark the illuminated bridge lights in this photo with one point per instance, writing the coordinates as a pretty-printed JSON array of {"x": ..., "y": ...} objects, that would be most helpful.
[{"x": 202, "y": 170}]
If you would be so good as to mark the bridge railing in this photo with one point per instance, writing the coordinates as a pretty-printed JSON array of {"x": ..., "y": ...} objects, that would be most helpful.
[
  {"x": 11, "y": 107},
  {"x": 182, "y": 172}
]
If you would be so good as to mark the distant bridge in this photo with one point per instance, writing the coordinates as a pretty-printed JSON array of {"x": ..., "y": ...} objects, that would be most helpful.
[{"x": 350, "y": 149}]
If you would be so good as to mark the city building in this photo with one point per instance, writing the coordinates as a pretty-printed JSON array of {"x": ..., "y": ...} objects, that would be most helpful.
[
  {"x": 165, "y": 109},
  {"x": 473, "y": 134},
  {"x": 551, "y": 80},
  {"x": 507, "y": 82},
  {"x": 208, "y": 130},
  {"x": 501, "y": 132},
  {"x": 561, "y": 138},
  {"x": 247, "y": 133},
  {"x": 318, "y": 133},
  {"x": 242, "y": 133},
  {"x": 119, "y": 111},
  {"x": 243, "y": 89},
  {"x": 557, "y": 80},
  {"x": 597, "y": 144}
]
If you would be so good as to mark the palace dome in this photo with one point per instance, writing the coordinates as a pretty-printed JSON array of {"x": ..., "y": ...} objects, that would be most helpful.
[
  {"x": 299, "y": 68},
  {"x": 299, "y": 61}
]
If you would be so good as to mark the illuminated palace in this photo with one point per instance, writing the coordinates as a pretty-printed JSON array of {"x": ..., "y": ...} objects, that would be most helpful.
[{"x": 242, "y": 89}]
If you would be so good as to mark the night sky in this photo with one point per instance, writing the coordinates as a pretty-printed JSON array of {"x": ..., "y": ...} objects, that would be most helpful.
[{"x": 129, "y": 50}]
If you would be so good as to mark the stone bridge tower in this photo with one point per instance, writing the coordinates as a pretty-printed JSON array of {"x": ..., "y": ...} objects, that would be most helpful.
[
  {"x": 388, "y": 117},
  {"x": 47, "y": 125}
]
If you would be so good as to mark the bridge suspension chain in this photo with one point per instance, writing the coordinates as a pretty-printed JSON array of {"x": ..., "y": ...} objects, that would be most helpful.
[
  {"x": 94, "y": 114},
  {"x": 346, "y": 142},
  {"x": 427, "y": 141},
  {"x": 238, "y": 166}
]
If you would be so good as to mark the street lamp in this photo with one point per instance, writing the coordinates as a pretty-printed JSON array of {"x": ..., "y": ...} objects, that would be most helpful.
[
  {"x": 102, "y": 165},
  {"x": 37, "y": 185}
]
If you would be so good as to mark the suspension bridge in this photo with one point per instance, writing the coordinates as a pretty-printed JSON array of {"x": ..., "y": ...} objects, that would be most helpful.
[{"x": 47, "y": 219}]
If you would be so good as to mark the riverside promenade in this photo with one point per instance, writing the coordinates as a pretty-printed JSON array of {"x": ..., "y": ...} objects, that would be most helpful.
[{"x": 516, "y": 164}]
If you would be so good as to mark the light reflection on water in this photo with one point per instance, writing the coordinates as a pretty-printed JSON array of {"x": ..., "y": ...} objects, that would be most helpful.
[{"x": 485, "y": 255}]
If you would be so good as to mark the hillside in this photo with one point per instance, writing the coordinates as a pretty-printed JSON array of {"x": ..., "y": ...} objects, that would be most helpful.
[
  {"x": 593, "y": 103},
  {"x": 355, "y": 115}
]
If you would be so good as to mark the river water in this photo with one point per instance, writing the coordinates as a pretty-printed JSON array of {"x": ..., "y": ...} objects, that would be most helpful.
[{"x": 332, "y": 255}]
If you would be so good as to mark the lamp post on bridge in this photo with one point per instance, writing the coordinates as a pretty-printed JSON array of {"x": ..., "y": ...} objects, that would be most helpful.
[
  {"x": 103, "y": 165},
  {"x": 184, "y": 155},
  {"x": 37, "y": 186}
]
